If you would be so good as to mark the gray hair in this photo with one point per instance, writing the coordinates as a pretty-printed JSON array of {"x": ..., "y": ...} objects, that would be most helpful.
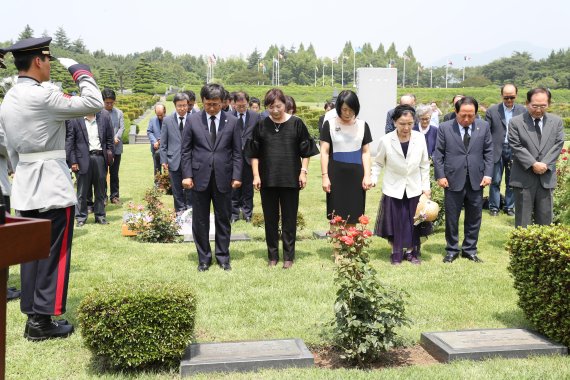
[
  {"x": 423, "y": 109},
  {"x": 180, "y": 96}
]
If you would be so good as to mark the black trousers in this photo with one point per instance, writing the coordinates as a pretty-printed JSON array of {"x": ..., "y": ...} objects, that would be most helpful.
[
  {"x": 44, "y": 282},
  {"x": 114, "y": 176},
  {"x": 472, "y": 200},
  {"x": 7, "y": 203},
  {"x": 201, "y": 223},
  {"x": 286, "y": 199},
  {"x": 242, "y": 197},
  {"x": 156, "y": 161},
  {"x": 91, "y": 182},
  {"x": 182, "y": 197}
]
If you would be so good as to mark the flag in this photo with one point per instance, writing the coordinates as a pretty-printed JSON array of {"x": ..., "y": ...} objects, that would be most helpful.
[
  {"x": 359, "y": 49},
  {"x": 275, "y": 60},
  {"x": 420, "y": 68},
  {"x": 213, "y": 59},
  {"x": 406, "y": 58},
  {"x": 466, "y": 58},
  {"x": 344, "y": 57},
  {"x": 280, "y": 56},
  {"x": 334, "y": 60},
  {"x": 449, "y": 62}
]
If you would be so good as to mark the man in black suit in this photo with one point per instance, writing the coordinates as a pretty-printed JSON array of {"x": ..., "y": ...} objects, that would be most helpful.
[
  {"x": 498, "y": 117},
  {"x": 89, "y": 150},
  {"x": 452, "y": 115},
  {"x": 242, "y": 197},
  {"x": 211, "y": 166},
  {"x": 463, "y": 165}
]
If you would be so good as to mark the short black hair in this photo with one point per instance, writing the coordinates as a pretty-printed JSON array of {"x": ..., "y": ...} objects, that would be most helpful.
[
  {"x": 328, "y": 104},
  {"x": 241, "y": 95},
  {"x": 213, "y": 91},
  {"x": 403, "y": 109},
  {"x": 24, "y": 62},
  {"x": 191, "y": 95},
  {"x": 179, "y": 97},
  {"x": 466, "y": 100},
  {"x": 456, "y": 96},
  {"x": 538, "y": 90},
  {"x": 349, "y": 98},
  {"x": 107, "y": 93},
  {"x": 254, "y": 100}
]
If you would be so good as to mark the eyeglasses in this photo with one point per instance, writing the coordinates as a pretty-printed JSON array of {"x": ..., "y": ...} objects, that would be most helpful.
[
  {"x": 509, "y": 97},
  {"x": 425, "y": 118},
  {"x": 538, "y": 106}
]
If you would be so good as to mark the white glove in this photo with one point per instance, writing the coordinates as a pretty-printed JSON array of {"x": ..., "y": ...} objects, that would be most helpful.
[{"x": 67, "y": 62}]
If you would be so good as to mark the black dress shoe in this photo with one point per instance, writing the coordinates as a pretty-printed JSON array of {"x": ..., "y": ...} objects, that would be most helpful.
[
  {"x": 42, "y": 327},
  {"x": 202, "y": 267},
  {"x": 510, "y": 212},
  {"x": 226, "y": 266},
  {"x": 101, "y": 220},
  {"x": 80, "y": 224},
  {"x": 494, "y": 213},
  {"x": 450, "y": 257},
  {"x": 472, "y": 257},
  {"x": 90, "y": 209},
  {"x": 247, "y": 220}
]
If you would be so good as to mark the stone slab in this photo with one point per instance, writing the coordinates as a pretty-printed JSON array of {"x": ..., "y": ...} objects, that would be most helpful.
[
  {"x": 320, "y": 234},
  {"x": 245, "y": 356},
  {"x": 481, "y": 344},
  {"x": 233, "y": 237}
]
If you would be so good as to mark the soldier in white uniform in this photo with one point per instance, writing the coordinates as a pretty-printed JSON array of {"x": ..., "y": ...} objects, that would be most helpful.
[{"x": 32, "y": 117}]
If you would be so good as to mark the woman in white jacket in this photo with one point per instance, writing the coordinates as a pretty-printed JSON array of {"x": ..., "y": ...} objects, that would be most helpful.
[{"x": 403, "y": 155}]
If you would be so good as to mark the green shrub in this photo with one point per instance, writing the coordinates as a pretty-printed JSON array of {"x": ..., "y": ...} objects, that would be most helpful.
[
  {"x": 138, "y": 325},
  {"x": 367, "y": 313},
  {"x": 540, "y": 266},
  {"x": 258, "y": 220},
  {"x": 438, "y": 196},
  {"x": 561, "y": 194}
]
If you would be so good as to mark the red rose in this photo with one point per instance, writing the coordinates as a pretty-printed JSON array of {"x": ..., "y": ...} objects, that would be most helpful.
[
  {"x": 363, "y": 220},
  {"x": 348, "y": 240},
  {"x": 563, "y": 150},
  {"x": 367, "y": 233},
  {"x": 564, "y": 158}
]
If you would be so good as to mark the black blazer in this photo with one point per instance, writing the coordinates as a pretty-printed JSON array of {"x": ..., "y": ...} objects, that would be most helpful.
[{"x": 77, "y": 140}]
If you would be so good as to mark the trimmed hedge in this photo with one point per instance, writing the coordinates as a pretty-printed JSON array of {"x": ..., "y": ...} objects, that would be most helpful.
[
  {"x": 540, "y": 266},
  {"x": 138, "y": 325}
]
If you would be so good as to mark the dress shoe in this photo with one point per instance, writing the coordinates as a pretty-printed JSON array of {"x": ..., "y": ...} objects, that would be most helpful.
[
  {"x": 90, "y": 209},
  {"x": 115, "y": 201},
  {"x": 414, "y": 260},
  {"x": 202, "y": 267},
  {"x": 272, "y": 263},
  {"x": 472, "y": 257},
  {"x": 234, "y": 219},
  {"x": 510, "y": 212},
  {"x": 80, "y": 224},
  {"x": 12, "y": 294},
  {"x": 287, "y": 264},
  {"x": 101, "y": 220},
  {"x": 450, "y": 257},
  {"x": 247, "y": 220},
  {"x": 42, "y": 327},
  {"x": 226, "y": 266},
  {"x": 493, "y": 212}
]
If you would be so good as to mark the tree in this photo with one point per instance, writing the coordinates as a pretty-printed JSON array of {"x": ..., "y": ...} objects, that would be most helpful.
[
  {"x": 78, "y": 46},
  {"x": 144, "y": 77},
  {"x": 60, "y": 39},
  {"x": 26, "y": 33},
  {"x": 253, "y": 60},
  {"x": 107, "y": 78}
]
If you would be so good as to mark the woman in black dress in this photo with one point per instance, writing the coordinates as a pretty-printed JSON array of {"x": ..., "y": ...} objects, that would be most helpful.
[{"x": 280, "y": 149}]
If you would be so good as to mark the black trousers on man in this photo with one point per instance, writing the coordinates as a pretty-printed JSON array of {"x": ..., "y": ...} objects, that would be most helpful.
[
  {"x": 472, "y": 200},
  {"x": 156, "y": 161},
  {"x": 114, "y": 177},
  {"x": 95, "y": 179},
  {"x": 182, "y": 197},
  {"x": 286, "y": 199},
  {"x": 201, "y": 223},
  {"x": 44, "y": 282},
  {"x": 242, "y": 197}
]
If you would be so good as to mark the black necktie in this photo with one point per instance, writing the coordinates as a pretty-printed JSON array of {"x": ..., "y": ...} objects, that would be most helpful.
[
  {"x": 538, "y": 131},
  {"x": 466, "y": 137},
  {"x": 213, "y": 129},
  {"x": 240, "y": 121},
  {"x": 181, "y": 125}
]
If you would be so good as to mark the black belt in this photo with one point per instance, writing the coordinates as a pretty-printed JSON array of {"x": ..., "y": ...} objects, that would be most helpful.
[{"x": 95, "y": 152}]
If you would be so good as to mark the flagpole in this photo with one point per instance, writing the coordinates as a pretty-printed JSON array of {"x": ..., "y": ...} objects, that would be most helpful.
[
  {"x": 418, "y": 77},
  {"x": 354, "y": 68},
  {"x": 404, "y": 74},
  {"x": 342, "y": 72},
  {"x": 332, "y": 73},
  {"x": 446, "y": 69},
  {"x": 431, "y": 77},
  {"x": 324, "y": 74}
]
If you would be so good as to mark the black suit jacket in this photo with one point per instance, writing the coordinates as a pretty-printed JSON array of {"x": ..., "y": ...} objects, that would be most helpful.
[
  {"x": 251, "y": 120},
  {"x": 77, "y": 140}
]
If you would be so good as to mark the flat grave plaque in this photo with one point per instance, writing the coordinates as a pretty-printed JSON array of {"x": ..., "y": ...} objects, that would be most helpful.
[
  {"x": 245, "y": 356},
  {"x": 320, "y": 234},
  {"x": 481, "y": 344}
]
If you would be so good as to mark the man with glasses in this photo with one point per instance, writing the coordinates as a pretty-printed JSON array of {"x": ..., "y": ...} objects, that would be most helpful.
[
  {"x": 170, "y": 150},
  {"x": 536, "y": 138},
  {"x": 211, "y": 167},
  {"x": 242, "y": 197},
  {"x": 498, "y": 117}
]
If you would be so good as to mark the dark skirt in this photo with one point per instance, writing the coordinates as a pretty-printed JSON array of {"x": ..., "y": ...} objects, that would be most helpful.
[
  {"x": 347, "y": 197},
  {"x": 395, "y": 222}
]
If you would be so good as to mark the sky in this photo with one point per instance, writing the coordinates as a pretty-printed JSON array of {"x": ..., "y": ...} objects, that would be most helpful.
[{"x": 434, "y": 29}]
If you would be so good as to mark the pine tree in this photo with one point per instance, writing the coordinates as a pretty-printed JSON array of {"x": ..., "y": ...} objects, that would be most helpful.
[
  {"x": 78, "y": 46},
  {"x": 60, "y": 39},
  {"x": 253, "y": 59},
  {"x": 107, "y": 78},
  {"x": 28, "y": 32},
  {"x": 144, "y": 77}
]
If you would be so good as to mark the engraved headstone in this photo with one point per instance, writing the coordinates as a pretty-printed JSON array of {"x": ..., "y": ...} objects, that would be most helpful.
[
  {"x": 245, "y": 356},
  {"x": 481, "y": 344}
]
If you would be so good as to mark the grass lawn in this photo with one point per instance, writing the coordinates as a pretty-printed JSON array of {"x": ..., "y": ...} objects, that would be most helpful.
[{"x": 256, "y": 302}]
